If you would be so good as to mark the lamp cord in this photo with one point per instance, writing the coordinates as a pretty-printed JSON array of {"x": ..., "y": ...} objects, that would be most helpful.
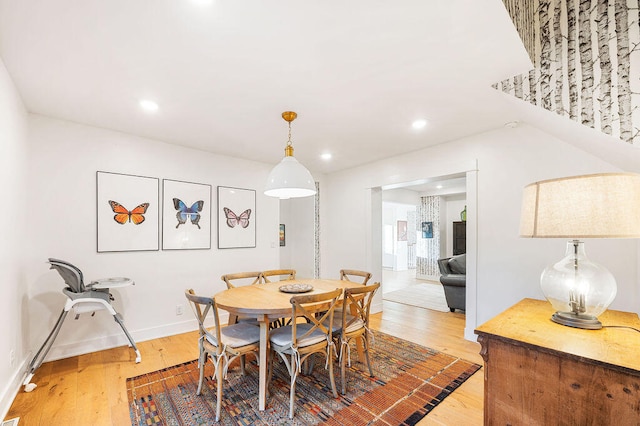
[{"x": 621, "y": 326}]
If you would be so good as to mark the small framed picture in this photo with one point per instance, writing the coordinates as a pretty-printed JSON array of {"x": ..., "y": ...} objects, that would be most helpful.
[
  {"x": 282, "y": 235},
  {"x": 427, "y": 229},
  {"x": 402, "y": 230}
]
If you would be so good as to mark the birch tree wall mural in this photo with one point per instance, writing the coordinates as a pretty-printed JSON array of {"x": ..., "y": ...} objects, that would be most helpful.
[
  {"x": 428, "y": 249},
  {"x": 586, "y": 56}
]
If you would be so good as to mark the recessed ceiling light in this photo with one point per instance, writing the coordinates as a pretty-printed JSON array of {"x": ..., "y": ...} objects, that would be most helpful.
[
  {"x": 439, "y": 187},
  {"x": 148, "y": 105},
  {"x": 419, "y": 124},
  {"x": 326, "y": 156}
]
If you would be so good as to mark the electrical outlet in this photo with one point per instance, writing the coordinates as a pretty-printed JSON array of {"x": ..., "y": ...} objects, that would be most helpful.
[
  {"x": 12, "y": 358},
  {"x": 179, "y": 309}
]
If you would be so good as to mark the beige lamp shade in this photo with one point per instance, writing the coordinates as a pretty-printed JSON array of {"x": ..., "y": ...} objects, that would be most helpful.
[{"x": 605, "y": 205}]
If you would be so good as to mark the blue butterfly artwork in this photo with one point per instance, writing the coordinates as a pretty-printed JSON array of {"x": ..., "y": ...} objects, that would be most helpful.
[{"x": 188, "y": 213}]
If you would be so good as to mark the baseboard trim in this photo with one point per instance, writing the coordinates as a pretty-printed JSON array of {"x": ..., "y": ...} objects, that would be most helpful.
[
  {"x": 11, "y": 389},
  {"x": 115, "y": 340}
]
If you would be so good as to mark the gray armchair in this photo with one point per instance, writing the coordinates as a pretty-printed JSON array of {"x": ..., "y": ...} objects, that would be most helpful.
[{"x": 454, "y": 280}]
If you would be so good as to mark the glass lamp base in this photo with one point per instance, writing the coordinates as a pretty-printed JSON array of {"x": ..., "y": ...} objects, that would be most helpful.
[{"x": 570, "y": 319}]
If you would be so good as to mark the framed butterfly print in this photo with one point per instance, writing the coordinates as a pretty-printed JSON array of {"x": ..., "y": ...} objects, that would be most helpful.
[
  {"x": 128, "y": 212},
  {"x": 186, "y": 215},
  {"x": 236, "y": 217}
]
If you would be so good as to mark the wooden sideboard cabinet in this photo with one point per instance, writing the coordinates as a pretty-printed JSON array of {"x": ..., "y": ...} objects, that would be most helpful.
[{"x": 538, "y": 372}]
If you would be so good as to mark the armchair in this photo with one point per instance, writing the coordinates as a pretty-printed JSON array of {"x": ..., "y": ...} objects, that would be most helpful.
[{"x": 454, "y": 280}]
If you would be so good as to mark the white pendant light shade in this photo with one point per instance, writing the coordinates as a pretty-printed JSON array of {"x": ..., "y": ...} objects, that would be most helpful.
[{"x": 290, "y": 179}]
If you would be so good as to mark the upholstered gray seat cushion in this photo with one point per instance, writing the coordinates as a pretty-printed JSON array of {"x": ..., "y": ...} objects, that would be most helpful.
[
  {"x": 236, "y": 335},
  {"x": 281, "y": 336},
  {"x": 356, "y": 325},
  {"x": 248, "y": 320}
]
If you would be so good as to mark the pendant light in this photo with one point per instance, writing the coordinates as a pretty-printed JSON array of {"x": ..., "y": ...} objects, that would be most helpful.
[{"x": 289, "y": 179}]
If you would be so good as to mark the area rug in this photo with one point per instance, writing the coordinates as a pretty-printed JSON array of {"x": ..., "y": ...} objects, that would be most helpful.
[
  {"x": 430, "y": 296},
  {"x": 410, "y": 380}
]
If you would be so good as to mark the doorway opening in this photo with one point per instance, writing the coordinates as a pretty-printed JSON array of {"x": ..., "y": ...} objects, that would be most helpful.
[{"x": 419, "y": 227}]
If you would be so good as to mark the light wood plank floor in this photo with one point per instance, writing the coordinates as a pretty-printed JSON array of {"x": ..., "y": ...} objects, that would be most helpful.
[
  {"x": 90, "y": 389},
  {"x": 397, "y": 280}
]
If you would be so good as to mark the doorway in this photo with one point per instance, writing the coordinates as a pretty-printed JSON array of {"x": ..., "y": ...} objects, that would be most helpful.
[
  {"x": 373, "y": 238},
  {"x": 429, "y": 209}
]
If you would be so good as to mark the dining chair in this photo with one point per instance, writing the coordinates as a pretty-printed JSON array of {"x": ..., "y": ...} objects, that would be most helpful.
[
  {"x": 295, "y": 342},
  {"x": 282, "y": 274},
  {"x": 221, "y": 344},
  {"x": 354, "y": 324},
  {"x": 241, "y": 279},
  {"x": 351, "y": 274}
]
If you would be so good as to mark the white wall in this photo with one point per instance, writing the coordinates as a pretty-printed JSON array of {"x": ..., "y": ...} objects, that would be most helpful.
[
  {"x": 507, "y": 268},
  {"x": 13, "y": 242},
  {"x": 396, "y": 203},
  {"x": 298, "y": 253},
  {"x": 62, "y": 190},
  {"x": 392, "y": 212}
]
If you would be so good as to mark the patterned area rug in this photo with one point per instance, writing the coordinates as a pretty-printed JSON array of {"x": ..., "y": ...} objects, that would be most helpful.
[
  {"x": 410, "y": 380},
  {"x": 424, "y": 295}
]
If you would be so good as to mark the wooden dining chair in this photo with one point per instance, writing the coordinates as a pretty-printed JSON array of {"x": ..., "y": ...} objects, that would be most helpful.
[
  {"x": 295, "y": 342},
  {"x": 282, "y": 274},
  {"x": 242, "y": 278},
  {"x": 354, "y": 324},
  {"x": 350, "y": 275},
  {"x": 237, "y": 280},
  {"x": 220, "y": 344}
]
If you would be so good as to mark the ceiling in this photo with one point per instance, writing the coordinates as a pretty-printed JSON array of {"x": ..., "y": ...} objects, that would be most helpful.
[
  {"x": 441, "y": 185},
  {"x": 357, "y": 72}
]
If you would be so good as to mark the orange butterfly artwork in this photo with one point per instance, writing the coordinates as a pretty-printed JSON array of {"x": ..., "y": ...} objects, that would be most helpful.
[{"x": 122, "y": 215}]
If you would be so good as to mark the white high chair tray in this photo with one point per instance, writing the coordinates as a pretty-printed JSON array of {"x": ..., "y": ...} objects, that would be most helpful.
[{"x": 112, "y": 282}]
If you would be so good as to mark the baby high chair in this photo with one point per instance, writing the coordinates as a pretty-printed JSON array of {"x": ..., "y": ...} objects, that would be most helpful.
[{"x": 81, "y": 298}]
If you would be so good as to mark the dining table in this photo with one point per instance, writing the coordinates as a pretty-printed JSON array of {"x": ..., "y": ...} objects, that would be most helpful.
[{"x": 267, "y": 302}]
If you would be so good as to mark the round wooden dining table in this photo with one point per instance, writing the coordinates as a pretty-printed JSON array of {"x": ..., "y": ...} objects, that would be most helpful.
[{"x": 266, "y": 302}]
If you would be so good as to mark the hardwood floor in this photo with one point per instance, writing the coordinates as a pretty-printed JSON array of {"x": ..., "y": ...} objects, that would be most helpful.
[
  {"x": 90, "y": 389},
  {"x": 397, "y": 280}
]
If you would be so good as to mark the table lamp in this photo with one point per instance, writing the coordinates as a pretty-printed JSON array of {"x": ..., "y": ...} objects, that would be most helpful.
[{"x": 603, "y": 205}]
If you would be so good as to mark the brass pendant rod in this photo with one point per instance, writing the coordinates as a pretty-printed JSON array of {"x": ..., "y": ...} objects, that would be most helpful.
[{"x": 289, "y": 116}]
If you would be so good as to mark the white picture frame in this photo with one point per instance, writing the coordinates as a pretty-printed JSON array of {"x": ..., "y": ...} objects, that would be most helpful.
[
  {"x": 236, "y": 218},
  {"x": 186, "y": 215},
  {"x": 127, "y": 212}
]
